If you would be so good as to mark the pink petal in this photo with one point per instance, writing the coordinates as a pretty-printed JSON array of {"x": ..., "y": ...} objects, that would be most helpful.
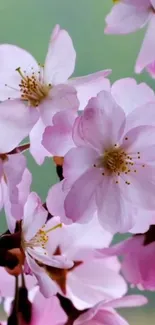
[
  {"x": 7, "y": 283},
  {"x": 92, "y": 282},
  {"x": 37, "y": 150},
  {"x": 77, "y": 161},
  {"x": 11, "y": 58},
  {"x": 101, "y": 115},
  {"x": 143, "y": 115},
  {"x": 150, "y": 68},
  {"x": 14, "y": 211},
  {"x": 50, "y": 310},
  {"x": 16, "y": 121},
  {"x": 89, "y": 86},
  {"x": 114, "y": 213},
  {"x": 124, "y": 19},
  {"x": 57, "y": 139},
  {"x": 141, "y": 188},
  {"x": 60, "y": 59},
  {"x": 153, "y": 3},
  {"x": 80, "y": 235},
  {"x": 139, "y": 139},
  {"x": 103, "y": 316},
  {"x": 147, "y": 52},
  {"x": 58, "y": 261},
  {"x": 14, "y": 169},
  {"x": 144, "y": 219},
  {"x": 80, "y": 199},
  {"x": 34, "y": 216},
  {"x": 127, "y": 301},
  {"x": 55, "y": 201},
  {"x": 129, "y": 95},
  {"x": 61, "y": 97},
  {"x": 47, "y": 287}
]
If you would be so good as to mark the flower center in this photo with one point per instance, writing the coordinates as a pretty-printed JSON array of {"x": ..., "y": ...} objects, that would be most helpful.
[
  {"x": 32, "y": 89},
  {"x": 114, "y": 160},
  {"x": 41, "y": 237}
]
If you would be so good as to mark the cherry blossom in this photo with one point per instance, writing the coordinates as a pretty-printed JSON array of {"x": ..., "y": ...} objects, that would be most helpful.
[
  {"x": 128, "y": 16},
  {"x": 75, "y": 242},
  {"x": 110, "y": 166},
  {"x": 34, "y": 236},
  {"x": 46, "y": 88}
]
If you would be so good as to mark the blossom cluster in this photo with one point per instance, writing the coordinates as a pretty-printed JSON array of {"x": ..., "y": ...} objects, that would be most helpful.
[{"x": 57, "y": 264}]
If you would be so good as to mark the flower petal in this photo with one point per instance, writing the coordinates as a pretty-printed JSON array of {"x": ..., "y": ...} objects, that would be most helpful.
[
  {"x": 129, "y": 95},
  {"x": 16, "y": 121},
  {"x": 147, "y": 52},
  {"x": 14, "y": 169},
  {"x": 55, "y": 201},
  {"x": 37, "y": 150},
  {"x": 62, "y": 97},
  {"x": 57, "y": 139},
  {"x": 14, "y": 210},
  {"x": 124, "y": 19},
  {"x": 93, "y": 281},
  {"x": 101, "y": 115},
  {"x": 127, "y": 301},
  {"x": 77, "y": 161},
  {"x": 60, "y": 59},
  {"x": 47, "y": 286},
  {"x": 79, "y": 203},
  {"x": 114, "y": 213},
  {"x": 34, "y": 216},
  {"x": 143, "y": 115},
  {"x": 89, "y": 86},
  {"x": 11, "y": 58},
  {"x": 139, "y": 139},
  {"x": 141, "y": 188},
  {"x": 58, "y": 261}
]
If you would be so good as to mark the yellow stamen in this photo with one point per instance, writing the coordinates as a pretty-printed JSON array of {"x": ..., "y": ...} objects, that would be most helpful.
[{"x": 55, "y": 227}]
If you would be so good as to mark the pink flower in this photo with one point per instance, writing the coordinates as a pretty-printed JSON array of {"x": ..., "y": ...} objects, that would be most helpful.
[
  {"x": 111, "y": 169},
  {"x": 127, "y": 16},
  {"x": 90, "y": 279},
  {"x": 138, "y": 265},
  {"x": 34, "y": 235},
  {"x": 104, "y": 313},
  {"x": 48, "y": 87}
]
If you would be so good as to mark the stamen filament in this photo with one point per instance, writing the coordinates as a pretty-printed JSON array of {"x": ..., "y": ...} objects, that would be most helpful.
[{"x": 53, "y": 228}]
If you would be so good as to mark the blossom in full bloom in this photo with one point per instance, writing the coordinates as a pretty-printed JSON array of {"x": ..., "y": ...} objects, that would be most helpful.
[
  {"x": 127, "y": 16},
  {"x": 90, "y": 279},
  {"x": 34, "y": 236},
  {"x": 104, "y": 312},
  {"x": 111, "y": 169},
  {"x": 46, "y": 89}
]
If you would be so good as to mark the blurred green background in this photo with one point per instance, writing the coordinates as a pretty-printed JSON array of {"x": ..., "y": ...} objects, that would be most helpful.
[{"x": 29, "y": 23}]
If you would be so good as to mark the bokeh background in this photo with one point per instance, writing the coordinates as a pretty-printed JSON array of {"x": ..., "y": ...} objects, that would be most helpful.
[{"x": 29, "y": 23}]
